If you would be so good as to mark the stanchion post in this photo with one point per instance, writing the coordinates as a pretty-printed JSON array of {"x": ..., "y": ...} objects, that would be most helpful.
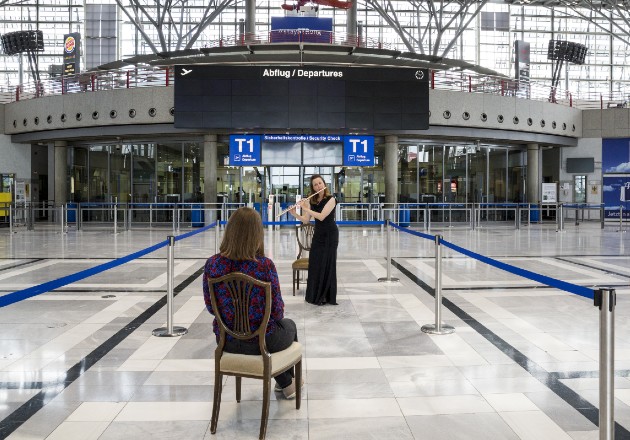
[
  {"x": 517, "y": 214},
  {"x": 389, "y": 256},
  {"x": 601, "y": 215},
  {"x": 170, "y": 330},
  {"x": 577, "y": 215},
  {"x": 606, "y": 300},
  {"x": 438, "y": 328},
  {"x": 61, "y": 219},
  {"x": 560, "y": 219},
  {"x": 620, "y": 218},
  {"x": 115, "y": 206},
  {"x": 216, "y": 237},
  {"x": 11, "y": 213}
]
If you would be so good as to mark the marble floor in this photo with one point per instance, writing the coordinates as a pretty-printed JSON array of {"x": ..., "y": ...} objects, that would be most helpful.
[{"x": 81, "y": 362}]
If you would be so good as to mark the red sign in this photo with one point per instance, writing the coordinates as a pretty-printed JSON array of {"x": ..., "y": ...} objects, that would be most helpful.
[{"x": 69, "y": 44}]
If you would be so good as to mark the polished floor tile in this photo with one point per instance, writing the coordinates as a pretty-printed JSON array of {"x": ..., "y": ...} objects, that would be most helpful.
[{"x": 522, "y": 363}]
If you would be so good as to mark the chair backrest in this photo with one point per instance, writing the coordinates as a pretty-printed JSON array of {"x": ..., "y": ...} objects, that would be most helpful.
[
  {"x": 240, "y": 287},
  {"x": 304, "y": 233}
]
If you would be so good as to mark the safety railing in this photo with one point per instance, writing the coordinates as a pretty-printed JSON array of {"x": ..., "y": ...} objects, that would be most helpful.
[
  {"x": 426, "y": 216},
  {"x": 163, "y": 76}
]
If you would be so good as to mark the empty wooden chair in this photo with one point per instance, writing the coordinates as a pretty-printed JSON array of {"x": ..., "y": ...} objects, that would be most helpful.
[{"x": 304, "y": 233}]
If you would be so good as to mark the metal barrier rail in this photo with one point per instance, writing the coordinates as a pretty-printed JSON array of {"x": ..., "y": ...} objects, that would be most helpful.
[{"x": 579, "y": 208}]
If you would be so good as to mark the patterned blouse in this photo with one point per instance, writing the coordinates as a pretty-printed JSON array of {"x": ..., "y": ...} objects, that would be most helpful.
[{"x": 262, "y": 269}]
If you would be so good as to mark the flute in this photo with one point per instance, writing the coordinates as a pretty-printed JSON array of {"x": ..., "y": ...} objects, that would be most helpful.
[{"x": 295, "y": 205}]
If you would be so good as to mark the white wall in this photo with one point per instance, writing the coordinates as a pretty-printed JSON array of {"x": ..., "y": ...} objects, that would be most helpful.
[{"x": 15, "y": 158}]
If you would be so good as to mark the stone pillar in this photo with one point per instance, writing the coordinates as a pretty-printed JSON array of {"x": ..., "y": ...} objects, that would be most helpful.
[
  {"x": 61, "y": 172},
  {"x": 351, "y": 20},
  {"x": 533, "y": 173},
  {"x": 250, "y": 18},
  {"x": 210, "y": 173},
  {"x": 391, "y": 169}
]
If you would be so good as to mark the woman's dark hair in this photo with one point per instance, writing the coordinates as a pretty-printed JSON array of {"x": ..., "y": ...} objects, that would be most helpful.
[
  {"x": 244, "y": 236},
  {"x": 326, "y": 191}
]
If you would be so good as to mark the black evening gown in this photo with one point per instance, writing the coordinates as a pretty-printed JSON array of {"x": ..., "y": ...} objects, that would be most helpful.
[{"x": 321, "y": 285}]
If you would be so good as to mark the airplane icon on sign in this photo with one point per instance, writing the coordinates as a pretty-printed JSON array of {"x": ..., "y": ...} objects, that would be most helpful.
[{"x": 185, "y": 71}]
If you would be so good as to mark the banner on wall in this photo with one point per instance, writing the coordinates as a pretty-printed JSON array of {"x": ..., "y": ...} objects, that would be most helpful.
[
  {"x": 549, "y": 193},
  {"x": 616, "y": 194}
]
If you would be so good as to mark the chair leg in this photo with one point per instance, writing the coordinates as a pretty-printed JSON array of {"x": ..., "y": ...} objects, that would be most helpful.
[
  {"x": 265, "y": 408},
  {"x": 216, "y": 404},
  {"x": 298, "y": 384},
  {"x": 238, "y": 389},
  {"x": 294, "y": 277}
]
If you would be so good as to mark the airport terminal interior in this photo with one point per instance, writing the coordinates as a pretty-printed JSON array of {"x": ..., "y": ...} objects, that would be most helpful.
[
  {"x": 522, "y": 363},
  {"x": 479, "y": 156}
]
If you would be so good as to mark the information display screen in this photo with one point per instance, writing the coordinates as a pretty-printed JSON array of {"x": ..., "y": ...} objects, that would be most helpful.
[{"x": 313, "y": 97}]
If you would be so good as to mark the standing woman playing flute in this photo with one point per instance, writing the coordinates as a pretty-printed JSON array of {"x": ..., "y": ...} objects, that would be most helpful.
[{"x": 321, "y": 286}]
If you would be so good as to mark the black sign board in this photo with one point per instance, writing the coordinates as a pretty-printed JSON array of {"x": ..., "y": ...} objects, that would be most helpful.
[
  {"x": 291, "y": 97},
  {"x": 71, "y": 53}
]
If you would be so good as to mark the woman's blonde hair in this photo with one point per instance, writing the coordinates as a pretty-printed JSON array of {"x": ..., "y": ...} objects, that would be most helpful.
[{"x": 243, "y": 238}]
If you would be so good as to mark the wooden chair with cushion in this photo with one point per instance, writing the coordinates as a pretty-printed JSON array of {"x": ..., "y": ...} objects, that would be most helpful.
[
  {"x": 265, "y": 366},
  {"x": 304, "y": 233}
]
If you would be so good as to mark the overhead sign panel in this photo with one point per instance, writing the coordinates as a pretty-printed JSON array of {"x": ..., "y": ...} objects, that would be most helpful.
[
  {"x": 301, "y": 97},
  {"x": 244, "y": 150},
  {"x": 358, "y": 151}
]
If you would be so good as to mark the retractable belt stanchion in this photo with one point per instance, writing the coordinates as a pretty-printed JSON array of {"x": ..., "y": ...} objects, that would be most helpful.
[
  {"x": 11, "y": 213},
  {"x": 115, "y": 206},
  {"x": 216, "y": 237},
  {"x": 601, "y": 215},
  {"x": 170, "y": 330},
  {"x": 62, "y": 219},
  {"x": 606, "y": 300},
  {"x": 438, "y": 328},
  {"x": 389, "y": 278},
  {"x": 560, "y": 219}
]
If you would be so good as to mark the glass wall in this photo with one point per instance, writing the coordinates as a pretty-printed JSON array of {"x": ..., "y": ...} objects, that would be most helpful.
[
  {"x": 139, "y": 172},
  {"x": 146, "y": 172},
  {"x": 465, "y": 173}
]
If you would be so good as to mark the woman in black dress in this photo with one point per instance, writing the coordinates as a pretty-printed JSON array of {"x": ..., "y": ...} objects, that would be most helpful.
[{"x": 321, "y": 286}]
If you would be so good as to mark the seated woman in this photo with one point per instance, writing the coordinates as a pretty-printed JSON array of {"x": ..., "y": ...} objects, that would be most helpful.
[{"x": 243, "y": 250}]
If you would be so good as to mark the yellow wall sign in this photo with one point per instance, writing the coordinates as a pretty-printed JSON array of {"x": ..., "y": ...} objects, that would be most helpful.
[{"x": 5, "y": 201}]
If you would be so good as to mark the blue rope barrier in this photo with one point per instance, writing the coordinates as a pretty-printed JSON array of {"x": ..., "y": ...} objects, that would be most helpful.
[
  {"x": 191, "y": 233},
  {"x": 23, "y": 294},
  {"x": 341, "y": 222},
  {"x": 419, "y": 234},
  {"x": 542, "y": 279}
]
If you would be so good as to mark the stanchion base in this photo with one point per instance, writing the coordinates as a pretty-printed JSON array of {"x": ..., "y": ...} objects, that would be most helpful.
[
  {"x": 445, "y": 329},
  {"x": 163, "y": 331},
  {"x": 388, "y": 280}
]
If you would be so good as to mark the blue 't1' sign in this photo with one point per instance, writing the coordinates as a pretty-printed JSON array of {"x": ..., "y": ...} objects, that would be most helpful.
[
  {"x": 244, "y": 150},
  {"x": 358, "y": 151}
]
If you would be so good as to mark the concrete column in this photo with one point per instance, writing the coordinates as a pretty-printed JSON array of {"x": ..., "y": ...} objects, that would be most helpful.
[
  {"x": 61, "y": 171},
  {"x": 391, "y": 169},
  {"x": 210, "y": 172},
  {"x": 533, "y": 174},
  {"x": 250, "y": 18},
  {"x": 351, "y": 20},
  {"x": 51, "y": 171}
]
